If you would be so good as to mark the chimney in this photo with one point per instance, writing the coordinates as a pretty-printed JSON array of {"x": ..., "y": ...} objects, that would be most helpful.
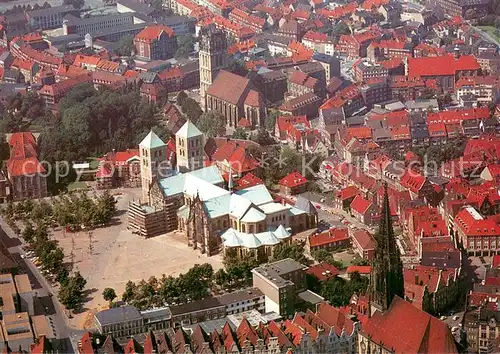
[
  {"x": 416, "y": 279},
  {"x": 456, "y": 52}
]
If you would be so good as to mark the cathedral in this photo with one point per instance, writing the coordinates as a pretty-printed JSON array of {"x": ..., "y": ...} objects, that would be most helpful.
[
  {"x": 231, "y": 95},
  {"x": 194, "y": 200}
]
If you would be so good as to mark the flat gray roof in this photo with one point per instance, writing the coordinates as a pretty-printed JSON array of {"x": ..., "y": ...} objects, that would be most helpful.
[{"x": 117, "y": 315}]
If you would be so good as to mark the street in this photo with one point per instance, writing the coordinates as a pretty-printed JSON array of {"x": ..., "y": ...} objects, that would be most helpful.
[{"x": 46, "y": 302}]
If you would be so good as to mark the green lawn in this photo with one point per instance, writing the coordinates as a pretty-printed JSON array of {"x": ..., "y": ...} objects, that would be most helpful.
[{"x": 492, "y": 31}]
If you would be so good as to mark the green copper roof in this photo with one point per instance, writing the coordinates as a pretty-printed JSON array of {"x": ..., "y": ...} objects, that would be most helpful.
[
  {"x": 151, "y": 141},
  {"x": 188, "y": 130}
]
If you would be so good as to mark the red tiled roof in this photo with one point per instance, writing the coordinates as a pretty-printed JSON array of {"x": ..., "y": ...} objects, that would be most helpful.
[
  {"x": 337, "y": 320},
  {"x": 82, "y": 60},
  {"x": 236, "y": 156},
  {"x": 412, "y": 180},
  {"x": 364, "y": 239},
  {"x": 473, "y": 224},
  {"x": 360, "y": 204},
  {"x": 86, "y": 344},
  {"x": 150, "y": 33},
  {"x": 348, "y": 192},
  {"x": 322, "y": 271},
  {"x": 293, "y": 179},
  {"x": 228, "y": 87},
  {"x": 442, "y": 65},
  {"x": 426, "y": 333},
  {"x": 249, "y": 180},
  {"x": 330, "y": 236}
]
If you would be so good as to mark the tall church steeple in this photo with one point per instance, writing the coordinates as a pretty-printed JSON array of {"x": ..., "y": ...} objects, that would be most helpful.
[
  {"x": 212, "y": 57},
  {"x": 386, "y": 279}
]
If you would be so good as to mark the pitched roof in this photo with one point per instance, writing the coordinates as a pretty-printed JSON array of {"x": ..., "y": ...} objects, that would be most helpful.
[
  {"x": 330, "y": 236},
  {"x": 293, "y": 179},
  {"x": 188, "y": 130},
  {"x": 360, "y": 204},
  {"x": 150, "y": 33},
  {"x": 442, "y": 65},
  {"x": 426, "y": 334},
  {"x": 229, "y": 87},
  {"x": 249, "y": 180},
  {"x": 364, "y": 239},
  {"x": 322, "y": 271},
  {"x": 151, "y": 141}
]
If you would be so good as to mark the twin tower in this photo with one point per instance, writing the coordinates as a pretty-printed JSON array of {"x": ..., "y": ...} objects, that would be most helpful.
[{"x": 155, "y": 162}]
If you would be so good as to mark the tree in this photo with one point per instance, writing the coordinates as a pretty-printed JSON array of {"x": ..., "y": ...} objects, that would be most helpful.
[
  {"x": 240, "y": 133},
  {"x": 192, "y": 109},
  {"x": 181, "y": 98},
  {"x": 185, "y": 45},
  {"x": 271, "y": 117},
  {"x": 211, "y": 123},
  {"x": 238, "y": 67},
  {"x": 109, "y": 294},
  {"x": 125, "y": 45},
  {"x": 221, "y": 278},
  {"x": 129, "y": 293},
  {"x": 295, "y": 250},
  {"x": 262, "y": 137},
  {"x": 341, "y": 28},
  {"x": 71, "y": 293}
]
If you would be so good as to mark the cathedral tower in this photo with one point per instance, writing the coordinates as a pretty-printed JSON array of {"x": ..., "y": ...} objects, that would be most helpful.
[
  {"x": 212, "y": 57},
  {"x": 189, "y": 146},
  {"x": 386, "y": 279},
  {"x": 153, "y": 154}
]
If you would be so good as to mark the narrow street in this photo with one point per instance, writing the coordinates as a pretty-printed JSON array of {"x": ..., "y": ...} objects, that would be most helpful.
[{"x": 46, "y": 302}]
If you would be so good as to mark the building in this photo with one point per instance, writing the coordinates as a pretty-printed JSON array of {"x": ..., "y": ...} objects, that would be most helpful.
[
  {"x": 426, "y": 334},
  {"x": 467, "y": 9},
  {"x": 234, "y": 97},
  {"x": 96, "y": 25},
  {"x": 365, "y": 70},
  {"x": 363, "y": 244},
  {"x": 26, "y": 174},
  {"x": 363, "y": 210},
  {"x": 477, "y": 234},
  {"x": 49, "y": 18},
  {"x": 280, "y": 282},
  {"x": 212, "y": 57},
  {"x": 331, "y": 239},
  {"x": 218, "y": 307},
  {"x": 444, "y": 69},
  {"x": 293, "y": 183},
  {"x": 157, "y": 42},
  {"x": 126, "y": 321},
  {"x": 17, "y": 300},
  {"x": 154, "y": 163},
  {"x": 189, "y": 143},
  {"x": 325, "y": 330}
]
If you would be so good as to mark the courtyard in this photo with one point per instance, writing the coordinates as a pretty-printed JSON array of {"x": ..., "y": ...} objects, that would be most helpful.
[{"x": 112, "y": 256}]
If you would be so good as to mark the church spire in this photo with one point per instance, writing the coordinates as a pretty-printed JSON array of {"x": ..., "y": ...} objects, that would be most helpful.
[{"x": 386, "y": 278}]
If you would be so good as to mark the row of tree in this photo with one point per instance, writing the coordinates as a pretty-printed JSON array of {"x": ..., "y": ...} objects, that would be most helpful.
[
  {"x": 52, "y": 260},
  {"x": 73, "y": 210},
  {"x": 201, "y": 280},
  {"x": 191, "y": 286}
]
